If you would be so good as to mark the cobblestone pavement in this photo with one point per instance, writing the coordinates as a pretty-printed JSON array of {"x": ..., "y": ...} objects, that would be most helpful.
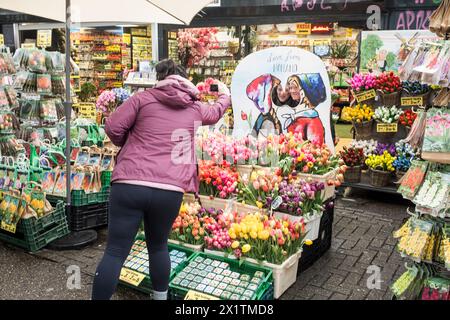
[{"x": 362, "y": 237}]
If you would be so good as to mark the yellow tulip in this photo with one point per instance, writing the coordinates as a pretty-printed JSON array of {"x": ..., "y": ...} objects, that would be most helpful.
[
  {"x": 235, "y": 244},
  {"x": 308, "y": 242},
  {"x": 259, "y": 204},
  {"x": 253, "y": 235},
  {"x": 246, "y": 248}
]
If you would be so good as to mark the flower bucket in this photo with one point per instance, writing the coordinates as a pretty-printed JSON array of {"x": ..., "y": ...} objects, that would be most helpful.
[
  {"x": 189, "y": 198},
  {"x": 284, "y": 275},
  {"x": 220, "y": 254},
  {"x": 292, "y": 218},
  {"x": 267, "y": 170},
  {"x": 390, "y": 99},
  {"x": 216, "y": 203},
  {"x": 312, "y": 226},
  {"x": 425, "y": 97},
  {"x": 379, "y": 178},
  {"x": 353, "y": 174},
  {"x": 363, "y": 130},
  {"x": 245, "y": 208},
  {"x": 194, "y": 247},
  {"x": 383, "y": 137},
  {"x": 328, "y": 193},
  {"x": 244, "y": 169}
]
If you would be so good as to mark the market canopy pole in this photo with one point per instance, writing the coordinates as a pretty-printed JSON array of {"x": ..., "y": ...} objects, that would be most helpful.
[{"x": 68, "y": 103}]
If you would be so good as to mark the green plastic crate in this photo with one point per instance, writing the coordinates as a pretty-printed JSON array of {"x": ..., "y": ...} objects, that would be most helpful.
[
  {"x": 106, "y": 178},
  {"x": 81, "y": 198},
  {"x": 146, "y": 285},
  {"x": 264, "y": 292},
  {"x": 34, "y": 234}
]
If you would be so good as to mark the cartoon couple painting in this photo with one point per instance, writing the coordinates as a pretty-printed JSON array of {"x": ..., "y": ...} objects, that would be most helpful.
[{"x": 299, "y": 98}]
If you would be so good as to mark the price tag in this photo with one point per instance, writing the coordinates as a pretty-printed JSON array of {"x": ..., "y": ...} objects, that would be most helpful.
[
  {"x": 366, "y": 95},
  {"x": 131, "y": 277},
  {"x": 194, "y": 295},
  {"x": 276, "y": 203},
  {"x": 44, "y": 38},
  {"x": 2, "y": 40},
  {"x": 29, "y": 45},
  {"x": 387, "y": 127},
  {"x": 8, "y": 227},
  {"x": 126, "y": 38},
  {"x": 303, "y": 29},
  {"x": 273, "y": 36},
  {"x": 412, "y": 101},
  {"x": 349, "y": 32}
]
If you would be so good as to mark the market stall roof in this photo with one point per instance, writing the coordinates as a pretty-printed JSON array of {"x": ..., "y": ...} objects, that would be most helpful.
[{"x": 110, "y": 11}]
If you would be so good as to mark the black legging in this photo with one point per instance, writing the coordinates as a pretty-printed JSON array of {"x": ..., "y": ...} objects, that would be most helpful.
[{"x": 129, "y": 204}]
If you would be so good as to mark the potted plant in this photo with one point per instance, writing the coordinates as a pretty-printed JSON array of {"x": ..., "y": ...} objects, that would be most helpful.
[
  {"x": 353, "y": 159},
  {"x": 362, "y": 82},
  {"x": 88, "y": 91},
  {"x": 387, "y": 115},
  {"x": 340, "y": 51},
  {"x": 381, "y": 168}
]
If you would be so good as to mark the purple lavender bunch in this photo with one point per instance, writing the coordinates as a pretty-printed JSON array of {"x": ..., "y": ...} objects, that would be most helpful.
[{"x": 382, "y": 147}]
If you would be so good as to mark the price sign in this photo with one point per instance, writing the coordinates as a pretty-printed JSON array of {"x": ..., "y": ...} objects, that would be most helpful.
[
  {"x": 303, "y": 29},
  {"x": 273, "y": 35},
  {"x": 2, "y": 40},
  {"x": 8, "y": 227},
  {"x": 87, "y": 111},
  {"x": 131, "y": 277},
  {"x": 194, "y": 295},
  {"x": 322, "y": 42},
  {"x": 366, "y": 95},
  {"x": 387, "y": 127},
  {"x": 349, "y": 32},
  {"x": 139, "y": 32},
  {"x": 44, "y": 38},
  {"x": 126, "y": 37},
  {"x": 412, "y": 101},
  {"x": 29, "y": 45}
]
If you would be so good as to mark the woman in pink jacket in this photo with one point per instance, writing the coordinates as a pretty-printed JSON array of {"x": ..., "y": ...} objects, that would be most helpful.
[{"x": 155, "y": 167}]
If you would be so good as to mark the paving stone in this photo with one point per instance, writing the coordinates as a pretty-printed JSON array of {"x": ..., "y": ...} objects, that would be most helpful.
[
  {"x": 377, "y": 243},
  {"x": 318, "y": 291},
  {"x": 338, "y": 296},
  {"x": 368, "y": 256}
]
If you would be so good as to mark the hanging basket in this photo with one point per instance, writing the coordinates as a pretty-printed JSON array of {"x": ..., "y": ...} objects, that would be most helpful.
[
  {"x": 363, "y": 130},
  {"x": 379, "y": 178},
  {"x": 353, "y": 174},
  {"x": 390, "y": 99}
]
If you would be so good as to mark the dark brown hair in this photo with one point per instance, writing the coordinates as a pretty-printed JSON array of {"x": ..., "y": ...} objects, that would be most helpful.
[{"x": 167, "y": 68}]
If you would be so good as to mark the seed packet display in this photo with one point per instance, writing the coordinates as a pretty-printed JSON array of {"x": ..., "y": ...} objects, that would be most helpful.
[
  {"x": 58, "y": 86},
  {"x": 48, "y": 111},
  {"x": 10, "y": 177},
  {"x": 10, "y": 210},
  {"x": 83, "y": 157},
  {"x": 22, "y": 178},
  {"x": 3, "y": 176},
  {"x": 35, "y": 198},
  {"x": 76, "y": 180},
  {"x": 11, "y": 94},
  {"x": 95, "y": 157},
  {"x": 30, "y": 112},
  {"x": 44, "y": 84},
  {"x": 87, "y": 181},
  {"x": 37, "y": 61},
  {"x": 3, "y": 98},
  {"x": 20, "y": 80},
  {"x": 30, "y": 83},
  {"x": 413, "y": 179}
]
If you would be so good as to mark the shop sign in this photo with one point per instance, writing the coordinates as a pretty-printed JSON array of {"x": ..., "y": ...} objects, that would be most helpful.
[
  {"x": 2, "y": 40},
  {"x": 387, "y": 127},
  {"x": 194, "y": 295},
  {"x": 44, "y": 38},
  {"x": 8, "y": 227},
  {"x": 131, "y": 277},
  {"x": 321, "y": 29},
  {"x": 303, "y": 29},
  {"x": 366, "y": 95},
  {"x": 412, "y": 101}
]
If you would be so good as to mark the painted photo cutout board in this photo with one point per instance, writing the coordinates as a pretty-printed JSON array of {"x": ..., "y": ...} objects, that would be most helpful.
[{"x": 281, "y": 90}]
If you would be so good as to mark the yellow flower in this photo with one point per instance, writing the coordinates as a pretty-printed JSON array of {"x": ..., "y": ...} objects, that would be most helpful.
[
  {"x": 244, "y": 228},
  {"x": 310, "y": 164},
  {"x": 253, "y": 235},
  {"x": 259, "y": 204},
  {"x": 235, "y": 244},
  {"x": 232, "y": 234},
  {"x": 308, "y": 242},
  {"x": 245, "y": 236},
  {"x": 246, "y": 248}
]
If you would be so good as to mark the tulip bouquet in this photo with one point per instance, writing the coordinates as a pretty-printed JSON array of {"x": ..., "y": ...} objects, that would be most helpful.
[
  {"x": 217, "y": 227},
  {"x": 205, "y": 90},
  {"x": 315, "y": 159},
  {"x": 368, "y": 146},
  {"x": 259, "y": 189},
  {"x": 266, "y": 238},
  {"x": 352, "y": 156},
  {"x": 405, "y": 154},
  {"x": 217, "y": 181},
  {"x": 360, "y": 113},
  {"x": 388, "y": 147},
  {"x": 302, "y": 198},
  {"x": 407, "y": 118},
  {"x": 384, "y": 162},
  {"x": 387, "y": 115},
  {"x": 388, "y": 82},
  {"x": 363, "y": 82},
  {"x": 269, "y": 150},
  {"x": 188, "y": 226}
]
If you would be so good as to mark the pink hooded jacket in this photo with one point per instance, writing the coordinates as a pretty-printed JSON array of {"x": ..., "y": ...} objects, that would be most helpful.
[{"x": 156, "y": 130}]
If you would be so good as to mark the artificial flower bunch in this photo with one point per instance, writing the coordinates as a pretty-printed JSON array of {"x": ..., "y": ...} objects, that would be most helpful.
[
  {"x": 122, "y": 95},
  {"x": 259, "y": 189},
  {"x": 266, "y": 238},
  {"x": 195, "y": 44},
  {"x": 361, "y": 113},
  {"x": 405, "y": 154},
  {"x": 111, "y": 99},
  {"x": 407, "y": 118},
  {"x": 217, "y": 180},
  {"x": 388, "y": 82},
  {"x": 384, "y": 162},
  {"x": 188, "y": 226},
  {"x": 368, "y": 146},
  {"x": 303, "y": 198},
  {"x": 387, "y": 115},
  {"x": 363, "y": 82},
  {"x": 352, "y": 156},
  {"x": 389, "y": 147},
  {"x": 415, "y": 88}
]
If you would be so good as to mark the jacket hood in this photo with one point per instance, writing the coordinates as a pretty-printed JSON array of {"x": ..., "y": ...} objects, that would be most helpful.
[{"x": 176, "y": 92}]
